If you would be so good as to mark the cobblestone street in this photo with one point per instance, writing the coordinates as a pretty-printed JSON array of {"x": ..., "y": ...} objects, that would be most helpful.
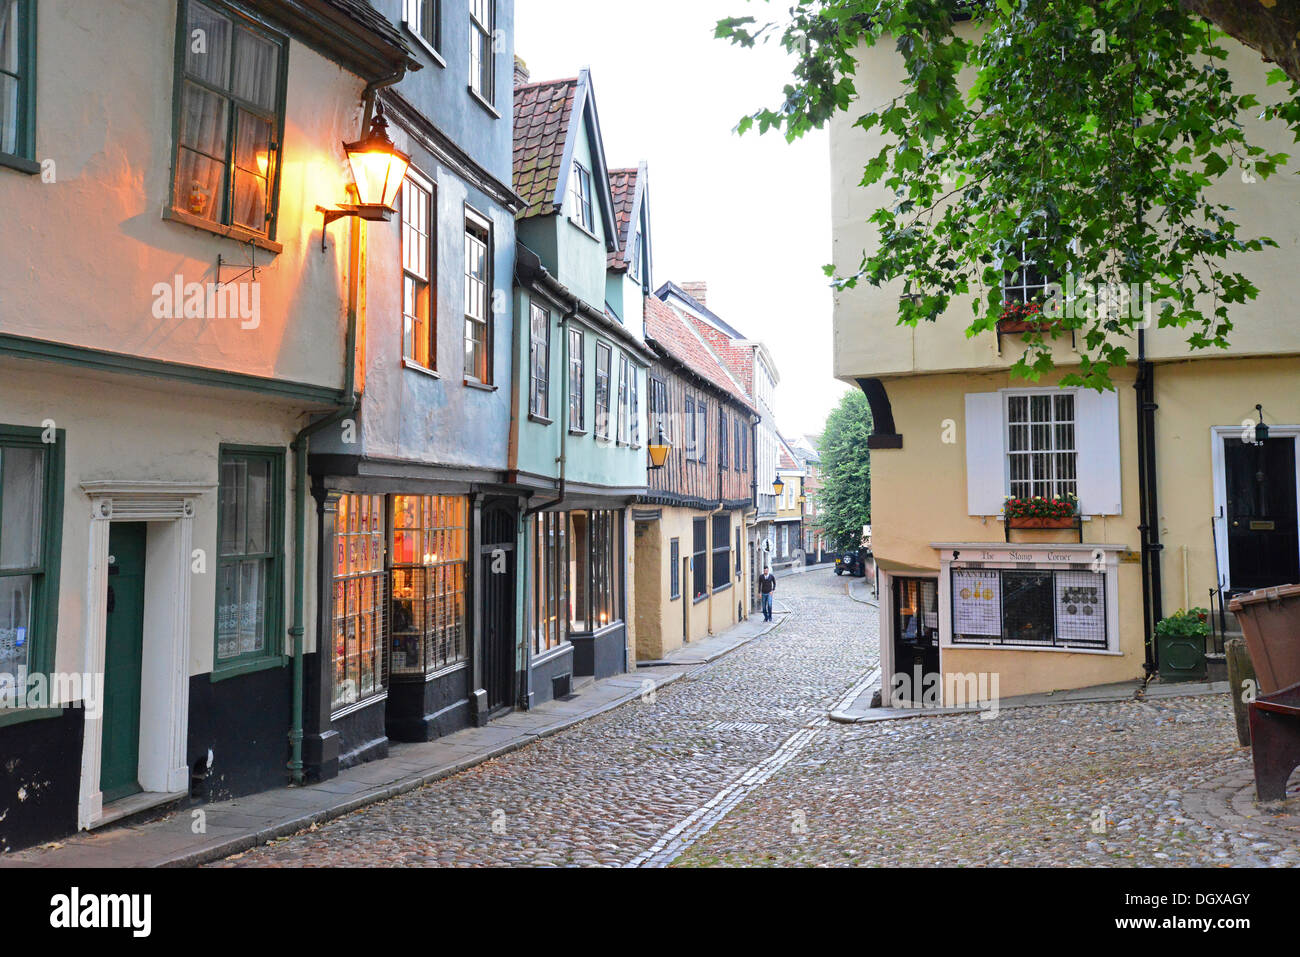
[{"x": 736, "y": 764}]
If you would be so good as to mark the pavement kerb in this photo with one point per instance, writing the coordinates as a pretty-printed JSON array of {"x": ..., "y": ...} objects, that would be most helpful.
[{"x": 244, "y": 842}]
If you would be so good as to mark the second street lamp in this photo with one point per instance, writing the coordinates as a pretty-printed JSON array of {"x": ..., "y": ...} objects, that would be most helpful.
[
  {"x": 658, "y": 451},
  {"x": 778, "y": 486}
]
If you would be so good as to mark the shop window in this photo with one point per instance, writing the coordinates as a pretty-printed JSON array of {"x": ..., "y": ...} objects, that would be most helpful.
[
  {"x": 594, "y": 570},
  {"x": 31, "y": 521},
  {"x": 430, "y": 541},
  {"x": 230, "y": 91},
  {"x": 1050, "y": 608},
  {"x": 360, "y": 599},
  {"x": 250, "y": 522},
  {"x": 721, "y": 551},
  {"x": 700, "y": 559},
  {"x": 550, "y": 581}
]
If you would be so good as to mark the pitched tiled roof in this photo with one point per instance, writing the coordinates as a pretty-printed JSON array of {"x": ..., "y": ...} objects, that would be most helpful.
[
  {"x": 786, "y": 461},
  {"x": 738, "y": 358},
  {"x": 622, "y": 182},
  {"x": 363, "y": 13},
  {"x": 542, "y": 112},
  {"x": 668, "y": 331}
]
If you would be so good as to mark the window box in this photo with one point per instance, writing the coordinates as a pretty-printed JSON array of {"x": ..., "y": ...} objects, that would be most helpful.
[{"x": 1032, "y": 521}]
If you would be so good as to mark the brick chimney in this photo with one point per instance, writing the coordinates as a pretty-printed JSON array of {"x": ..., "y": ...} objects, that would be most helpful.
[
  {"x": 699, "y": 291},
  {"x": 521, "y": 72}
]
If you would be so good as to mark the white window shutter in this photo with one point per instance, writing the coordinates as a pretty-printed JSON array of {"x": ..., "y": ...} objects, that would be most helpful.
[
  {"x": 1097, "y": 439},
  {"x": 985, "y": 454}
]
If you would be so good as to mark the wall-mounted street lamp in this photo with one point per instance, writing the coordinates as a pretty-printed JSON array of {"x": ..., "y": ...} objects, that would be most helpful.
[
  {"x": 659, "y": 450},
  {"x": 778, "y": 486},
  {"x": 1261, "y": 430},
  {"x": 378, "y": 171}
]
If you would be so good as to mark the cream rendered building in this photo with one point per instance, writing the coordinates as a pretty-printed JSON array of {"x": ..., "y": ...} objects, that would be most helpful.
[{"x": 962, "y": 594}]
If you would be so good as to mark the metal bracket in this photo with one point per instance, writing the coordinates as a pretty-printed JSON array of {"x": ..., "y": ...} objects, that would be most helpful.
[{"x": 251, "y": 267}]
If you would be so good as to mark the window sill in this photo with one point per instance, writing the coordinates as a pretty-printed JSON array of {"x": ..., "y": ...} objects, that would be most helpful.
[
  {"x": 423, "y": 370},
  {"x": 237, "y": 233},
  {"x": 577, "y": 431},
  {"x": 425, "y": 45},
  {"x": 583, "y": 229},
  {"x": 222, "y": 672},
  {"x": 540, "y": 419},
  {"x": 704, "y": 597},
  {"x": 1000, "y": 646},
  {"x": 722, "y": 588},
  {"x": 373, "y": 698},
  {"x": 482, "y": 386},
  {"x": 10, "y": 716},
  {"x": 478, "y": 98},
  {"x": 20, "y": 163}
]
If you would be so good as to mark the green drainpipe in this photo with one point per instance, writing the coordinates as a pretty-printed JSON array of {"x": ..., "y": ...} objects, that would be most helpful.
[{"x": 300, "y": 447}]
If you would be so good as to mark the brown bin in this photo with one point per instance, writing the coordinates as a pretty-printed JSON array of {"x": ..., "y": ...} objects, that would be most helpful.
[{"x": 1270, "y": 620}]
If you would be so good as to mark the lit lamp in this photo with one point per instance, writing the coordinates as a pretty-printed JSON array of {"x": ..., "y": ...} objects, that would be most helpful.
[
  {"x": 1261, "y": 430},
  {"x": 778, "y": 486},
  {"x": 378, "y": 170},
  {"x": 659, "y": 450}
]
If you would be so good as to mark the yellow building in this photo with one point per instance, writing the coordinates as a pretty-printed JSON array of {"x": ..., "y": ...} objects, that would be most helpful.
[{"x": 961, "y": 592}]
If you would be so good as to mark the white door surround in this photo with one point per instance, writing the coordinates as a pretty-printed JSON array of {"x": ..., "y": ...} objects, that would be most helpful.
[
  {"x": 1217, "y": 435},
  {"x": 168, "y": 508}
]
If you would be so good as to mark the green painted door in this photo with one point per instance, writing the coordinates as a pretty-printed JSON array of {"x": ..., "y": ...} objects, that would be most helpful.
[{"x": 123, "y": 658}]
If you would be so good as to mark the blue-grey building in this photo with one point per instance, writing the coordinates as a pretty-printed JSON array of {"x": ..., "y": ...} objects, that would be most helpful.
[{"x": 417, "y": 524}]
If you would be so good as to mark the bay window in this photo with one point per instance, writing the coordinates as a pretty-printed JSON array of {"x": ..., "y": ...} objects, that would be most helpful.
[
  {"x": 430, "y": 551},
  {"x": 230, "y": 90},
  {"x": 360, "y": 599}
]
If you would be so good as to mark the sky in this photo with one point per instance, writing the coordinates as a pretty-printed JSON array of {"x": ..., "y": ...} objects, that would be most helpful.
[{"x": 748, "y": 215}]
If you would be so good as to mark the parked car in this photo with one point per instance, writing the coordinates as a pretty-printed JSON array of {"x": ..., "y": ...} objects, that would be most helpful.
[{"x": 852, "y": 563}]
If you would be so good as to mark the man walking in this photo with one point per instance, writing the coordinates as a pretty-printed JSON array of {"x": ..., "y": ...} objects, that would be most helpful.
[{"x": 767, "y": 585}]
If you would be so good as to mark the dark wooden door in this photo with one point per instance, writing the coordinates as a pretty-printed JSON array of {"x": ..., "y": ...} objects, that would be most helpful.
[
  {"x": 1263, "y": 540},
  {"x": 123, "y": 658},
  {"x": 497, "y": 574}
]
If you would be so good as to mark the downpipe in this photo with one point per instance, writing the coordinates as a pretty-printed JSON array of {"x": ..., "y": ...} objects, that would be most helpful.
[{"x": 1149, "y": 512}]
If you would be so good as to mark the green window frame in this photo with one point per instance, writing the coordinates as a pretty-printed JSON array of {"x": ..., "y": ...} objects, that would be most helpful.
[
  {"x": 29, "y": 579},
  {"x": 227, "y": 119},
  {"x": 18, "y": 85},
  {"x": 249, "y": 560}
]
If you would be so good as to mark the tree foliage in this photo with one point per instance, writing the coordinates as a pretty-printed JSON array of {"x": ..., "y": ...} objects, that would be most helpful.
[
  {"x": 1085, "y": 136},
  {"x": 845, "y": 499}
]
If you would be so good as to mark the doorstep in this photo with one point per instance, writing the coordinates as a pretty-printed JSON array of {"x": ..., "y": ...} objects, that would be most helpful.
[
  {"x": 126, "y": 807},
  {"x": 247, "y": 822}
]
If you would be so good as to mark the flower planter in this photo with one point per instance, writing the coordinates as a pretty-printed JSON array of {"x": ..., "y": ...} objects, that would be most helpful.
[
  {"x": 1029, "y": 521},
  {"x": 1025, "y": 325}
]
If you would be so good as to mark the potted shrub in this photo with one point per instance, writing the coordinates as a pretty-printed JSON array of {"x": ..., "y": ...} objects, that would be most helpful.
[
  {"x": 1180, "y": 645},
  {"x": 1039, "y": 512}
]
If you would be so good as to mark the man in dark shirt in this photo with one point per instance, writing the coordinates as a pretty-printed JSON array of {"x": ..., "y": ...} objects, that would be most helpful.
[{"x": 767, "y": 585}]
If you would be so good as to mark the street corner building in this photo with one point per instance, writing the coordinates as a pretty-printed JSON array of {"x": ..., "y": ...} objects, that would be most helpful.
[
  {"x": 1182, "y": 499},
  {"x": 693, "y": 556},
  {"x": 256, "y": 394}
]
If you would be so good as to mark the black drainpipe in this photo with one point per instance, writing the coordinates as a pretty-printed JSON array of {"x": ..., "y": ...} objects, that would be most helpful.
[{"x": 1149, "y": 522}]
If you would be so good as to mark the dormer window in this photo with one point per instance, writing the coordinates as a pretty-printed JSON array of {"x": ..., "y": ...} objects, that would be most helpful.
[
  {"x": 583, "y": 213},
  {"x": 634, "y": 258}
]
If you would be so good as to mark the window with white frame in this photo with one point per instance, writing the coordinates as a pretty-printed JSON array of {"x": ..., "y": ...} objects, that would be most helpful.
[
  {"x": 1041, "y": 450},
  {"x": 634, "y": 257},
  {"x": 624, "y": 401},
  {"x": 478, "y": 298},
  {"x": 577, "y": 382},
  {"x": 604, "y": 356},
  {"x": 583, "y": 213},
  {"x": 482, "y": 59},
  {"x": 539, "y": 392},
  {"x": 1026, "y": 282},
  {"x": 419, "y": 344},
  {"x": 422, "y": 18}
]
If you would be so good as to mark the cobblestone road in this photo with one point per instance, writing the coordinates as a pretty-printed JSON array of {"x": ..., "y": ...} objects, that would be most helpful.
[{"x": 736, "y": 764}]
